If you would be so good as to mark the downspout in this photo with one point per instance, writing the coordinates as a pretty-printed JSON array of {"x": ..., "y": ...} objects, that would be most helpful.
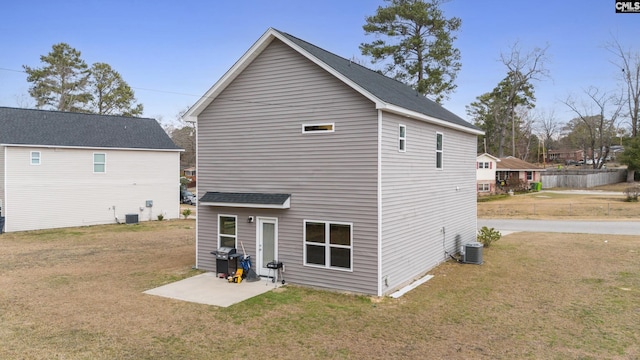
[
  {"x": 195, "y": 129},
  {"x": 380, "y": 280}
]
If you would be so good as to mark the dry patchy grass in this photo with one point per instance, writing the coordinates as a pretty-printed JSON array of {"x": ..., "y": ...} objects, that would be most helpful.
[
  {"x": 77, "y": 294},
  {"x": 551, "y": 205}
]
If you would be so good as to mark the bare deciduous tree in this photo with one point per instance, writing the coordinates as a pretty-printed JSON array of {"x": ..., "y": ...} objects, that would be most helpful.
[
  {"x": 599, "y": 123},
  {"x": 629, "y": 63},
  {"x": 522, "y": 69}
]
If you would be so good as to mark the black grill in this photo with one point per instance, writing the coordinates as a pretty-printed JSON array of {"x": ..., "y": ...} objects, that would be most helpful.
[{"x": 226, "y": 261}]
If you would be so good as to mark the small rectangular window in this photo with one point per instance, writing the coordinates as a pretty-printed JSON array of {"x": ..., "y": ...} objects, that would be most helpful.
[
  {"x": 402, "y": 139},
  {"x": 35, "y": 158},
  {"x": 227, "y": 230},
  {"x": 483, "y": 187},
  {"x": 99, "y": 163},
  {"x": 529, "y": 175},
  {"x": 328, "y": 244},
  {"x": 439, "y": 150},
  {"x": 317, "y": 128}
]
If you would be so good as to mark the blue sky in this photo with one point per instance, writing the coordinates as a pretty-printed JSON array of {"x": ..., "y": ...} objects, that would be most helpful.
[{"x": 171, "y": 52}]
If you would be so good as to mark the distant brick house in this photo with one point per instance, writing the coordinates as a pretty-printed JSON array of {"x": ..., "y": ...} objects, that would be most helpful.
[{"x": 510, "y": 168}]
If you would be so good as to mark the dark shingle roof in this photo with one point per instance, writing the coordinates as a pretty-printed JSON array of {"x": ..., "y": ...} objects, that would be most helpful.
[
  {"x": 245, "y": 198},
  {"x": 513, "y": 163},
  {"x": 386, "y": 89},
  {"x": 55, "y": 128}
]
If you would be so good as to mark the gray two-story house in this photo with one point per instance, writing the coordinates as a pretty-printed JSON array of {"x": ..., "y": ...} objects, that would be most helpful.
[{"x": 352, "y": 180}]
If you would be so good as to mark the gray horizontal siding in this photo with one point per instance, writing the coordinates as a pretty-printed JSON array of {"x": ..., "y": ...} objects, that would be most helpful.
[
  {"x": 250, "y": 140},
  {"x": 2, "y": 180},
  {"x": 419, "y": 201}
]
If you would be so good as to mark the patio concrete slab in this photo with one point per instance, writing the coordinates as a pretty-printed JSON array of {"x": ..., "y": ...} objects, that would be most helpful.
[{"x": 208, "y": 289}]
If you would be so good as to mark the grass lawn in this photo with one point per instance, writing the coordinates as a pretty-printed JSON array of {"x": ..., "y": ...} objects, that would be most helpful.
[
  {"x": 565, "y": 206},
  {"x": 77, "y": 294}
]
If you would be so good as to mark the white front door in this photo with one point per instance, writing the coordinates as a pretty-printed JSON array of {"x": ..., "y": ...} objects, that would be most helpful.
[{"x": 267, "y": 237}]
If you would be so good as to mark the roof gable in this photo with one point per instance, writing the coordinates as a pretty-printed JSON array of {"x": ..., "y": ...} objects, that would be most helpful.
[
  {"x": 387, "y": 94},
  {"x": 488, "y": 156},
  {"x": 513, "y": 163},
  {"x": 67, "y": 129}
]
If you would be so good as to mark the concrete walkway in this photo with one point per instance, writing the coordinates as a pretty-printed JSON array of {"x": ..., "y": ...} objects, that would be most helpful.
[{"x": 208, "y": 289}]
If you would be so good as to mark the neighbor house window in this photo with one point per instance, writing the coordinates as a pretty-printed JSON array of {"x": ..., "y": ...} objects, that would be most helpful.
[
  {"x": 35, "y": 158},
  {"x": 438, "y": 150},
  {"x": 484, "y": 187},
  {"x": 402, "y": 138},
  {"x": 328, "y": 244},
  {"x": 529, "y": 175},
  {"x": 99, "y": 163},
  {"x": 483, "y": 165},
  {"x": 227, "y": 230},
  {"x": 317, "y": 128}
]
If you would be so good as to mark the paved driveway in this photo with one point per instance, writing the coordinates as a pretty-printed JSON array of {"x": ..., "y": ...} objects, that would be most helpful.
[{"x": 577, "y": 226}]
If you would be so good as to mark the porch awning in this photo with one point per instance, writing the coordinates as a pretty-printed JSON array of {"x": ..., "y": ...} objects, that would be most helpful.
[{"x": 247, "y": 200}]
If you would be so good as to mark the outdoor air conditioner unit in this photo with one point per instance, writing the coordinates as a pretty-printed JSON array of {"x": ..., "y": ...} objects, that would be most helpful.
[{"x": 472, "y": 253}]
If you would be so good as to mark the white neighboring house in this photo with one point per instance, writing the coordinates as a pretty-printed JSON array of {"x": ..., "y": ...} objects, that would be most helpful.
[
  {"x": 63, "y": 169},
  {"x": 486, "y": 166}
]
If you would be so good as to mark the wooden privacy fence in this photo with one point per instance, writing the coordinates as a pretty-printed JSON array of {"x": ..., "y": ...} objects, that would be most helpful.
[{"x": 581, "y": 178}]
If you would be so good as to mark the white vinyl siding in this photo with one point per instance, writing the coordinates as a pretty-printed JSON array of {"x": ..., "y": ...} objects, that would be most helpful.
[
  {"x": 63, "y": 192},
  {"x": 332, "y": 177},
  {"x": 35, "y": 158}
]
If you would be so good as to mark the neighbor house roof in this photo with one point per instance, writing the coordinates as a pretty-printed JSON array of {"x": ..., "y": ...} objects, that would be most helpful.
[
  {"x": 514, "y": 164},
  {"x": 28, "y": 127},
  {"x": 251, "y": 200},
  {"x": 388, "y": 94}
]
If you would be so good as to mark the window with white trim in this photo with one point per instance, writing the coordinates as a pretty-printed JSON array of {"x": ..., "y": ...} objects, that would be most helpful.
[
  {"x": 402, "y": 138},
  {"x": 484, "y": 187},
  {"x": 318, "y": 128},
  {"x": 227, "y": 230},
  {"x": 438, "y": 150},
  {"x": 328, "y": 244},
  {"x": 35, "y": 158},
  {"x": 99, "y": 163},
  {"x": 529, "y": 175},
  {"x": 483, "y": 165}
]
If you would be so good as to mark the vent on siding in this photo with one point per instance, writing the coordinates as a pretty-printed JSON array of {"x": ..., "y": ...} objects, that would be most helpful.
[
  {"x": 131, "y": 218},
  {"x": 473, "y": 253}
]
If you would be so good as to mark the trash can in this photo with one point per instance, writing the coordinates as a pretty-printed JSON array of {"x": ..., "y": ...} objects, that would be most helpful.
[
  {"x": 539, "y": 186},
  {"x": 1, "y": 224}
]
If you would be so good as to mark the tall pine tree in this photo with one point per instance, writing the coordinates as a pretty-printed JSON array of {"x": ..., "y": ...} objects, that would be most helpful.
[
  {"x": 61, "y": 82},
  {"x": 418, "y": 39}
]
